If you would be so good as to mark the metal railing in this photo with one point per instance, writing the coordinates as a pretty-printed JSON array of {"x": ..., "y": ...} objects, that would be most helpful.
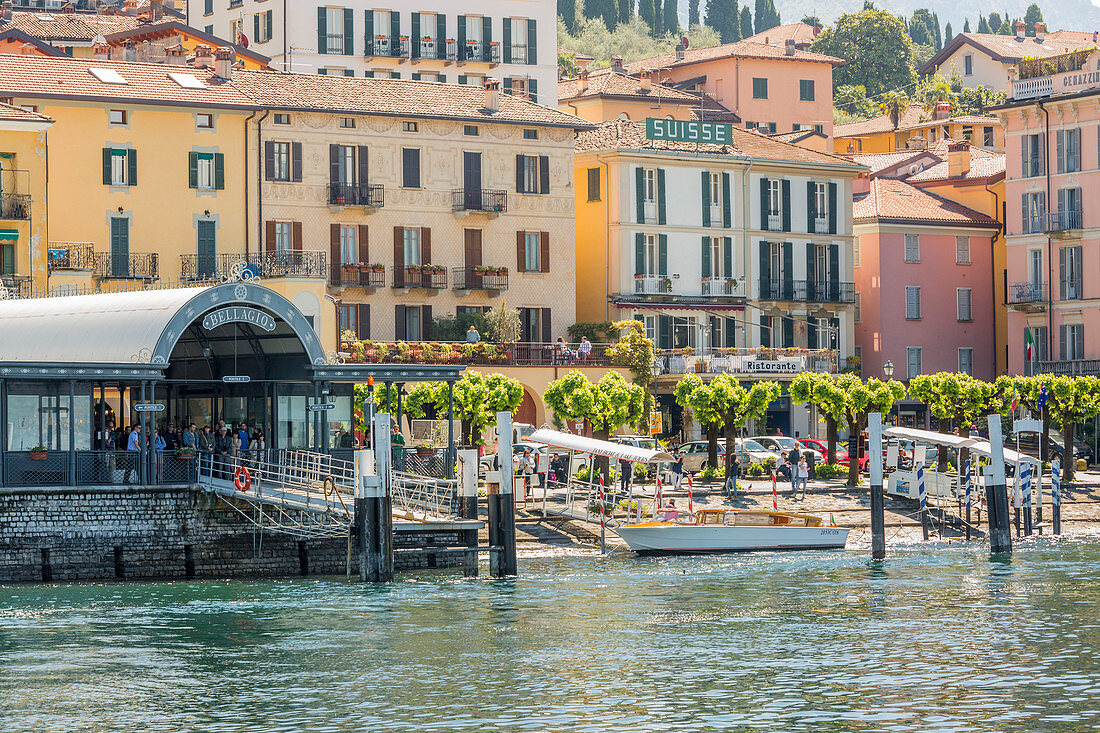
[
  {"x": 386, "y": 46},
  {"x": 354, "y": 194},
  {"x": 417, "y": 277},
  {"x": 423, "y": 497},
  {"x": 734, "y": 360},
  {"x": 518, "y": 53},
  {"x": 481, "y": 51},
  {"x": 108, "y": 264},
  {"x": 1070, "y": 367},
  {"x": 17, "y": 286},
  {"x": 1028, "y": 293},
  {"x": 334, "y": 43},
  {"x": 479, "y": 199},
  {"x": 69, "y": 256},
  {"x": 808, "y": 291},
  {"x": 723, "y": 286},
  {"x": 297, "y": 263},
  {"x": 1060, "y": 221},
  {"x": 468, "y": 278},
  {"x": 15, "y": 206},
  {"x": 294, "y": 479},
  {"x": 524, "y": 353},
  {"x": 364, "y": 278},
  {"x": 656, "y": 284},
  {"x": 96, "y": 468}
]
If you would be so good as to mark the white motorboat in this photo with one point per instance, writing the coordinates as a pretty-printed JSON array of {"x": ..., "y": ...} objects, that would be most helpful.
[{"x": 674, "y": 532}]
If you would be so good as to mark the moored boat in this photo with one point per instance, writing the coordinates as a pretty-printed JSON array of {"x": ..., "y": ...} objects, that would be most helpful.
[{"x": 674, "y": 532}]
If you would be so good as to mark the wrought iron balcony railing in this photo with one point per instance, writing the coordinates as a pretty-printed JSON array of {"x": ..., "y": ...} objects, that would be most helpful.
[
  {"x": 432, "y": 277},
  {"x": 352, "y": 194},
  {"x": 470, "y": 278},
  {"x": 1019, "y": 293},
  {"x": 807, "y": 291},
  {"x": 656, "y": 285},
  {"x": 110, "y": 265},
  {"x": 723, "y": 286},
  {"x": 479, "y": 199},
  {"x": 17, "y": 286},
  {"x": 15, "y": 206},
  {"x": 354, "y": 275},
  {"x": 69, "y": 256},
  {"x": 479, "y": 51},
  {"x": 303, "y": 263}
]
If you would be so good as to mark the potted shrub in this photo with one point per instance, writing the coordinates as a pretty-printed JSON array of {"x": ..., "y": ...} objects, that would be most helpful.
[
  {"x": 38, "y": 453},
  {"x": 378, "y": 267},
  {"x": 185, "y": 452},
  {"x": 427, "y": 449},
  {"x": 350, "y": 266},
  {"x": 700, "y": 366}
]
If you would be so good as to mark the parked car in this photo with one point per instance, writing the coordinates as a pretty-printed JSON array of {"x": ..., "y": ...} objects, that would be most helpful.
[
  {"x": 697, "y": 454},
  {"x": 756, "y": 452},
  {"x": 822, "y": 447},
  {"x": 541, "y": 453},
  {"x": 636, "y": 441},
  {"x": 778, "y": 443},
  {"x": 1080, "y": 450}
]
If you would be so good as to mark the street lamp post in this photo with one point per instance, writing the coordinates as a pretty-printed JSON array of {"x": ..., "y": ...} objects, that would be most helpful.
[{"x": 888, "y": 370}]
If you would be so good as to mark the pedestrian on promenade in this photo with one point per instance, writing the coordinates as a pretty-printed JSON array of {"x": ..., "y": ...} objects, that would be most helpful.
[
  {"x": 223, "y": 444},
  {"x": 472, "y": 336},
  {"x": 802, "y": 472},
  {"x": 242, "y": 433},
  {"x": 584, "y": 348},
  {"x": 677, "y": 469},
  {"x": 133, "y": 448},
  {"x": 189, "y": 439},
  {"x": 397, "y": 448},
  {"x": 160, "y": 444}
]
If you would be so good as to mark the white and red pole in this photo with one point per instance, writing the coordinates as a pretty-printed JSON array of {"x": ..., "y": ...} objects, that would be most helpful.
[
  {"x": 691, "y": 508},
  {"x": 603, "y": 510},
  {"x": 775, "y": 495}
]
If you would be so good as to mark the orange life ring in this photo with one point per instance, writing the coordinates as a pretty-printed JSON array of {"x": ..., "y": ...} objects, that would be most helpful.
[{"x": 242, "y": 484}]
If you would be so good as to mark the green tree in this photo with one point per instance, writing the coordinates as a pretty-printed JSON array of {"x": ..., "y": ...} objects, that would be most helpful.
[
  {"x": 876, "y": 47},
  {"x": 983, "y": 25},
  {"x": 957, "y": 400},
  {"x": 1006, "y": 28},
  {"x": 567, "y": 11},
  {"x": 693, "y": 13},
  {"x": 723, "y": 404},
  {"x": 767, "y": 17},
  {"x": 626, "y": 11},
  {"x": 636, "y": 351},
  {"x": 567, "y": 69},
  {"x": 671, "y": 22},
  {"x": 812, "y": 20},
  {"x": 966, "y": 25},
  {"x": 1071, "y": 401},
  {"x": 892, "y": 103},
  {"x": 746, "y": 22},
  {"x": 478, "y": 398},
  {"x": 607, "y": 405},
  {"x": 502, "y": 324},
  {"x": 631, "y": 40},
  {"x": 604, "y": 10},
  {"x": 823, "y": 392},
  {"x": 1032, "y": 16},
  {"x": 933, "y": 90},
  {"x": 948, "y": 34},
  {"x": 976, "y": 100},
  {"x": 994, "y": 22},
  {"x": 722, "y": 16},
  {"x": 922, "y": 28},
  {"x": 852, "y": 100},
  {"x": 860, "y": 399},
  {"x": 647, "y": 11}
]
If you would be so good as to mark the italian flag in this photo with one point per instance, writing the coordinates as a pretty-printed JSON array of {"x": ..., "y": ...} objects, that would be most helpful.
[{"x": 1028, "y": 342}]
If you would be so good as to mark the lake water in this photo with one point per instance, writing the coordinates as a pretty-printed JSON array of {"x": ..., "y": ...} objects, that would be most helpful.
[{"x": 939, "y": 638}]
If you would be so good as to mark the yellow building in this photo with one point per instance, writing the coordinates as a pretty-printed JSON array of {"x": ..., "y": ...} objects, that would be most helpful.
[
  {"x": 606, "y": 94},
  {"x": 916, "y": 128},
  {"x": 22, "y": 199},
  {"x": 147, "y": 180}
]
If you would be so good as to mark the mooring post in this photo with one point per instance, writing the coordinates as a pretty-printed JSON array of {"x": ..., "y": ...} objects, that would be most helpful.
[
  {"x": 384, "y": 469},
  {"x": 1025, "y": 487},
  {"x": 467, "y": 499},
  {"x": 366, "y": 520},
  {"x": 923, "y": 501},
  {"x": 966, "y": 484},
  {"x": 502, "y": 508},
  {"x": 878, "y": 508},
  {"x": 1056, "y": 495},
  {"x": 1000, "y": 534}
]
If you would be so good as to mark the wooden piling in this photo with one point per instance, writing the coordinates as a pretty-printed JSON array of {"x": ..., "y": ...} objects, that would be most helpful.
[
  {"x": 1000, "y": 534},
  {"x": 1056, "y": 497},
  {"x": 878, "y": 499}
]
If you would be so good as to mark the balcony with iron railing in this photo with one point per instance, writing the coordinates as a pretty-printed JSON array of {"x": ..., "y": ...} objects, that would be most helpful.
[
  {"x": 144, "y": 266},
  {"x": 478, "y": 51},
  {"x": 70, "y": 256},
  {"x": 1039, "y": 77},
  {"x": 808, "y": 291},
  {"x": 1057, "y": 223},
  {"x": 479, "y": 278},
  {"x": 656, "y": 284},
  {"x": 364, "y": 276},
  {"x": 1028, "y": 294},
  {"x": 1069, "y": 367},
  {"x": 429, "y": 277},
  {"x": 353, "y": 194},
  {"x": 387, "y": 47},
  {"x": 518, "y": 53},
  {"x": 479, "y": 200},
  {"x": 723, "y": 287},
  {"x": 299, "y": 263},
  {"x": 16, "y": 286},
  {"x": 15, "y": 206},
  {"x": 735, "y": 360}
]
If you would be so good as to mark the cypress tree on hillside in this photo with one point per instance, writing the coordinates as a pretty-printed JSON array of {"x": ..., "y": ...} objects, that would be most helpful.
[
  {"x": 693, "y": 13},
  {"x": 938, "y": 38},
  {"x": 567, "y": 11},
  {"x": 746, "y": 22},
  {"x": 658, "y": 19},
  {"x": 1032, "y": 16},
  {"x": 994, "y": 22},
  {"x": 1006, "y": 28},
  {"x": 626, "y": 10},
  {"x": 983, "y": 24},
  {"x": 766, "y": 15},
  {"x": 736, "y": 32},
  {"x": 606, "y": 10},
  {"x": 671, "y": 22},
  {"x": 966, "y": 25},
  {"x": 722, "y": 17},
  {"x": 647, "y": 11},
  {"x": 947, "y": 34}
]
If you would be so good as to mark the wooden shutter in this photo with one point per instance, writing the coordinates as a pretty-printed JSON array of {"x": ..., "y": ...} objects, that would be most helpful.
[
  {"x": 364, "y": 244},
  {"x": 362, "y": 321},
  {"x": 349, "y": 32},
  {"x": 811, "y": 205},
  {"x": 335, "y": 255},
  {"x": 255, "y": 28},
  {"x": 727, "y": 203},
  {"x": 727, "y": 256},
  {"x": 414, "y": 37},
  {"x": 788, "y": 270},
  {"x": 811, "y": 271},
  {"x": 398, "y": 257},
  {"x": 486, "y": 38},
  {"x": 706, "y": 256},
  {"x": 107, "y": 154},
  {"x": 639, "y": 180},
  {"x": 269, "y": 160},
  {"x": 521, "y": 252},
  {"x": 362, "y": 156},
  {"x": 834, "y": 271},
  {"x": 533, "y": 90},
  {"x": 706, "y": 198},
  {"x": 519, "y": 174},
  {"x": 1079, "y": 272},
  {"x": 1025, "y": 158},
  {"x": 425, "y": 323},
  {"x": 399, "y": 322},
  {"x": 296, "y": 161},
  {"x": 368, "y": 32},
  {"x": 765, "y": 331},
  {"x": 547, "y": 337},
  {"x": 440, "y": 36},
  {"x": 131, "y": 167},
  {"x": 662, "y": 254},
  {"x": 296, "y": 235},
  {"x": 832, "y": 208},
  {"x": 764, "y": 204},
  {"x": 786, "y": 205},
  {"x": 532, "y": 42},
  {"x": 506, "y": 52},
  {"x": 639, "y": 253},
  {"x": 425, "y": 245},
  {"x": 544, "y": 174},
  {"x": 1060, "y": 144},
  {"x": 460, "y": 38},
  {"x": 811, "y": 334},
  {"x": 471, "y": 247},
  {"x": 322, "y": 30},
  {"x": 544, "y": 251},
  {"x": 765, "y": 276},
  {"x": 395, "y": 33},
  {"x": 333, "y": 166},
  {"x": 219, "y": 171},
  {"x": 1042, "y": 153},
  {"x": 192, "y": 170},
  {"x": 661, "y": 219},
  {"x": 1063, "y": 285},
  {"x": 788, "y": 332},
  {"x": 664, "y": 332},
  {"x": 269, "y": 237}
]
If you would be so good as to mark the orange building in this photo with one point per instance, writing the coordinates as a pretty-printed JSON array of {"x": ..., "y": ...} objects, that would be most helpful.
[
  {"x": 917, "y": 128},
  {"x": 607, "y": 94}
]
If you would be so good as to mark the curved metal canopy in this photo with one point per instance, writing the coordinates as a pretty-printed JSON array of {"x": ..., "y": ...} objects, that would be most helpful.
[{"x": 581, "y": 444}]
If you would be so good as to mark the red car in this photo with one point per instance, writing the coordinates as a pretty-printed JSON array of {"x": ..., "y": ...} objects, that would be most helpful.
[{"x": 822, "y": 446}]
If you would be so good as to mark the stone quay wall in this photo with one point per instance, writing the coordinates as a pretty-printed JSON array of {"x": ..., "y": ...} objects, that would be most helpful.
[{"x": 129, "y": 532}]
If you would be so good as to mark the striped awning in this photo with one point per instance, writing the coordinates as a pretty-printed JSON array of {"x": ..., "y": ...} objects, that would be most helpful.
[{"x": 9, "y": 235}]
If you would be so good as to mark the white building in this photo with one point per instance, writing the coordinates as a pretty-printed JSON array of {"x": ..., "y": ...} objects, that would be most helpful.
[{"x": 514, "y": 41}]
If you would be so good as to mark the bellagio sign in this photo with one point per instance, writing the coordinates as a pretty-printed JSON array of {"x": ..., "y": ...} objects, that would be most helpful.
[{"x": 239, "y": 314}]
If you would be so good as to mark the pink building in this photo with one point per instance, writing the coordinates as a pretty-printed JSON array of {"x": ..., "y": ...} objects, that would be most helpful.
[
  {"x": 923, "y": 277},
  {"x": 1053, "y": 237}
]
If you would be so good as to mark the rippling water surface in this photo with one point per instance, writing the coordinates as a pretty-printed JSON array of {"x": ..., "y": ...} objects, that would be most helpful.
[{"x": 937, "y": 639}]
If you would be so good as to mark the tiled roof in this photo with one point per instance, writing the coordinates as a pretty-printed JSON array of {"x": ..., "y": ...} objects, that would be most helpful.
[
  {"x": 1006, "y": 49},
  {"x": 780, "y": 34},
  {"x": 18, "y": 114},
  {"x": 631, "y": 135},
  {"x": 393, "y": 97},
  {"x": 879, "y": 162},
  {"x": 889, "y": 198},
  {"x": 1078, "y": 36},
  {"x": 909, "y": 116},
  {"x": 983, "y": 165},
  {"x": 613, "y": 84},
  {"x": 75, "y": 27},
  {"x": 68, "y": 78},
  {"x": 740, "y": 49},
  {"x": 795, "y": 136}
]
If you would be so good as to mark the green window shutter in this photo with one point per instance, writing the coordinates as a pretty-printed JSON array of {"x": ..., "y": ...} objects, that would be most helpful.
[
  {"x": 442, "y": 78},
  {"x": 219, "y": 171},
  {"x": 461, "y": 78},
  {"x": 440, "y": 36},
  {"x": 731, "y": 332},
  {"x": 107, "y": 167},
  {"x": 507, "y": 51},
  {"x": 131, "y": 167},
  {"x": 788, "y": 270},
  {"x": 765, "y": 331},
  {"x": 507, "y": 85},
  {"x": 532, "y": 43},
  {"x": 322, "y": 30},
  {"x": 414, "y": 37},
  {"x": 639, "y": 253},
  {"x": 416, "y": 76},
  {"x": 664, "y": 332},
  {"x": 727, "y": 256},
  {"x": 368, "y": 32},
  {"x": 486, "y": 38},
  {"x": 639, "y": 178},
  {"x": 256, "y": 27},
  {"x": 349, "y": 72},
  {"x": 270, "y": 25},
  {"x": 460, "y": 39},
  {"x": 811, "y": 334},
  {"x": 727, "y": 204},
  {"x": 788, "y": 332},
  {"x": 193, "y": 170},
  {"x": 661, "y": 219},
  {"x": 834, "y": 271},
  {"x": 533, "y": 90},
  {"x": 368, "y": 74},
  {"x": 832, "y": 208},
  {"x": 706, "y": 198},
  {"x": 764, "y": 204},
  {"x": 786, "y": 205},
  {"x": 765, "y": 276},
  {"x": 834, "y": 328},
  {"x": 810, "y": 274},
  {"x": 395, "y": 33},
  {"x": 662, "y": 254},
  {"x": 811, "y": 205},
  {"x": 706, "y": 256}
]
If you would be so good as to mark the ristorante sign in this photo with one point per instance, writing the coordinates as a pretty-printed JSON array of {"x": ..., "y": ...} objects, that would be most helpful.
[
  {"x": 239, "y": 314},
  {"x": 767, "y": 366}
]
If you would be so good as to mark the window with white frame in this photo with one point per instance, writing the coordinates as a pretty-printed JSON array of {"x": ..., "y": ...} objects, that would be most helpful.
[
  {"x": 1036, "y": 275},
  {"x": 913, "y": 361},
  {"x": 1035, "y": 206},
  {"x": 519, "y": 31},
  {"x": 1072, "y": 341},
  {"x": 912, "y": 302},
  {"x": 282, "y": 161},
  {"x": 334, "y": 31},
  {"x": 204, "y": 163},
  {"x": 649, "y": 255},
  {"x": 962, "y": 304},
  {"x": 349, "y": 244},
  {"x": 716, "y": 197},
  {"x": 649, "y": 187},
  {"x": 821, "y": 207},
  {"x": 204, "y": 121},
  {"x": 912, "y": 248},
  {"x": 1072, "y": 283},
  {"x": 775, "y": 203},
  {"x": 532, "y": 258},
  {"x": 650, "y": 328},
  {"x": 776, "y": 270},
  {"x": 412, "y": 247},
  {"x": 119, "y": 168},
  {"x": 821, "y": 265},
  {"x": 962, "y": 250},
  {"x": 966, "y": 360},
  {"x": 116, "y": 117},
  {"x": 283, "y": 241}
]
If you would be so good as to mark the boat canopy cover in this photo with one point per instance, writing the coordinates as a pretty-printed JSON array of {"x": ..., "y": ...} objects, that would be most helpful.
[
  {"x": 581, "y": 444},
  {"x": 983, "y": 448},
  {"x": 928, "y": 436}
]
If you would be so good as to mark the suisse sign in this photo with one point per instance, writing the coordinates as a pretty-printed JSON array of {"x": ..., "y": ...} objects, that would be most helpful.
[
  {"x": 239, "y": 314},
  {"x": 688, "y": 131}
]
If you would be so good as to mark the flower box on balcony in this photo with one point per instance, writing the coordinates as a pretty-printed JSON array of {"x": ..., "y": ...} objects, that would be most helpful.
[{"x": 38, "y": 453}]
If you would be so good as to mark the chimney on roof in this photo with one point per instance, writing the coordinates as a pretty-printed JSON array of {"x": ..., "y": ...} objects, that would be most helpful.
[
  {"x": 101, "y": 52},
  {"x": 958, "y": 159},
  {"x": 583, "y": 79},
  {"x": 681, "y": 51},
  {"x": 1021, "y": 28},
  {"x": 130, "y": 50},
  {"x": 1040, "y": 32},
  {"x": 5, "y": 14},
  {"x": 175, "y": 55},
  {"x": 68, "y": 9},
  {"x": 790, "y": 47},
  {"x": 204, "y": 56},
  {"x": 646, "y": 78},
  {"x": 492, "y": 95},
  {"x": 223, "y": 63},
  {"x": 942, "y": 111},
  {"x": 156, "y": 9},
  {"x": 130, "y": 7},
  {"x": 617, "y": 65}
]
